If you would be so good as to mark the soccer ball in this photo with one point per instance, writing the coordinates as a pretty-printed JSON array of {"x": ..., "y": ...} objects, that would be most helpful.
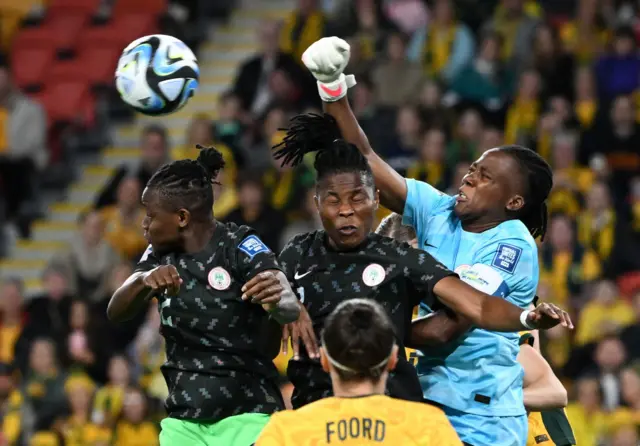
[{"x": 157, "y": 74}]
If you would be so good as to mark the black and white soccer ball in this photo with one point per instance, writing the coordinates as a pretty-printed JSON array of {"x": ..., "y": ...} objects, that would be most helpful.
[{"x": 157, "y": 74}]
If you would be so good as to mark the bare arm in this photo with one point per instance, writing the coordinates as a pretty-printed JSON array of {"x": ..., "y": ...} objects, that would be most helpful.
[
  {"x": 129, "y": 299},
  {"x": 437, "y": 328},
  {"x": 490, "y": 312},
  {"x": 271, "y": 289},
  {"x": 542, "y": 389},
  {"x": 393, "y": 187},
  {"x": 287, "y": 309}
]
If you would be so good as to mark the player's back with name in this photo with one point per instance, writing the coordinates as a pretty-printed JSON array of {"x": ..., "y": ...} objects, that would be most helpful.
[
  {"x": 207, "y": 325},
  {"x": 360, "y": 420}
]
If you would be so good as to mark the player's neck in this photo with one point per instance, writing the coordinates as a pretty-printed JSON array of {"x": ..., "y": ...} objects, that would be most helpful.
[
  {"x": 355, "y": 389},
  {"x": 481, "y": 224},
  {"x": 200, "y": 236}
]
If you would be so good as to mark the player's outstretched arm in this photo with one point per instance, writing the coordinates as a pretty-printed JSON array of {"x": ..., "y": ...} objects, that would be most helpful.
[
  {"x": 326, "y": 59},
  {"x": 438, "y": 328},
  {"x": 141, "y": 286},
  {"x": 494, "y": 313},
  {"x": 542, "y": 389}
]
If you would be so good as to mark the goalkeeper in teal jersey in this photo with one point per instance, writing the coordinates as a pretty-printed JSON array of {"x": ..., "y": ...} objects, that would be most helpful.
[{"x": 486, "y": 234}]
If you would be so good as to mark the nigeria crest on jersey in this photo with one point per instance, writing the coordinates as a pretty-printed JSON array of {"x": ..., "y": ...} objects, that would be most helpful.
[
  {"x": 373, "y": 275},
  {"x": 219, "y": 279}
]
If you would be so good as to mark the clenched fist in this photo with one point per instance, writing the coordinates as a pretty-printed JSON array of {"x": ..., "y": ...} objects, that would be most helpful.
[
  {"x": 326, "y": 59},
  {"x": 163, "y": 278}
]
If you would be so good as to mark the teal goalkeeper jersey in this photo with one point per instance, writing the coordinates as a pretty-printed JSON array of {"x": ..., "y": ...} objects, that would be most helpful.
[{"x": 478, "y": 373}]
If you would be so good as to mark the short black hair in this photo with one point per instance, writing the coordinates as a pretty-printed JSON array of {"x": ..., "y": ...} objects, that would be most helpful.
[
  {"x": 312, "y": 132},
  {"x": 358, "y": 338},
  {"x": 538, "y": 178},
  {"x": 186, "y": 184}
]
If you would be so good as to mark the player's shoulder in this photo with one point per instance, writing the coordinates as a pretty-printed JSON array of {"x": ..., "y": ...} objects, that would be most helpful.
[
  {"x": 304, "y": 240},
  {"x": 243, "y": 237},
  {"x": 384, "y": 243},
  {"x": 514, "y": 232},
  {"x": 509, "y": 247}
]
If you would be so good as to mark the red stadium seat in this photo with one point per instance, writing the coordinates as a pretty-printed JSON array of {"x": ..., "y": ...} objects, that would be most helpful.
[
  {"x": 65, "y": 101},
  {"x": 29, "y": 66},
  {"x": 84, "y": 7},
  {"x": 151, "y": 7},
  {"x": 59, "y": 31},
  {"x": 120, "y": 31},
  {"x": 93, "y": 65}
]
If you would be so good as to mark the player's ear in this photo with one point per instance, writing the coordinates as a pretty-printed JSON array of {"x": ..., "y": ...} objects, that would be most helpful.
[
  {"x": 515, "y": 203},
  {"x": 316, "y": 200},
  {"x": 376, "y": 198},
  {"x": 184, "y": 217},
  {"x": 393, "y": 360},
  {"x": 323, "y": 360}
]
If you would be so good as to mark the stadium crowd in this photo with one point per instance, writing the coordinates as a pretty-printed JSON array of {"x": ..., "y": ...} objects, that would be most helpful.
[{"x": 439, "y": 82}]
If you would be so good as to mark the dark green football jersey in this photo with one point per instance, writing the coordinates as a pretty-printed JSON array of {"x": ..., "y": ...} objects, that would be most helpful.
[
  {"x": 392, "y": 273},
  {"x": 216, "y": 362}
]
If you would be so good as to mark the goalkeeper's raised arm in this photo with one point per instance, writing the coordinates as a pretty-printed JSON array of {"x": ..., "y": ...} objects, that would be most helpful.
[{"x": 326, "y": 59}]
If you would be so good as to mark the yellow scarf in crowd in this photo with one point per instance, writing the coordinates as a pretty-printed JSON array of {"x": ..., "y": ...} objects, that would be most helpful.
[
  {"x": 429, "y": 172},
  {"x": 600, "y": 240},
  {"x": 437, "y": 48},
  {"x": 522, "y": 118},
  {"x": 586, "y": 112},
  {"x": 312, "y": 30}
]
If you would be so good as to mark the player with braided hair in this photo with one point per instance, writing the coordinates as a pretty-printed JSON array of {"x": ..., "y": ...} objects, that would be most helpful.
[
  {"x": 486, "y": 234},
  {"x": 208, "y": 277},
  {"x": 346, "y": 260}
]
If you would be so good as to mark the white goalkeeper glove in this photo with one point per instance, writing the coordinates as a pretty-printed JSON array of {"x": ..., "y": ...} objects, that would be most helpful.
[{"x": 326, "y": 59}]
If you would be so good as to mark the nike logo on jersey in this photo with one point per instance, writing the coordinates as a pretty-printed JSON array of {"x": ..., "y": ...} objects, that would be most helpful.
[
  {"x": 333, "y": 92},
  {"x": 299, "y": 276},
  {"x": 429, "y": 245}
]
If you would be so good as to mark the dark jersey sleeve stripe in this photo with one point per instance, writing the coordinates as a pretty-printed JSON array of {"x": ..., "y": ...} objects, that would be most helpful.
[{"x": 558, "y": 427}]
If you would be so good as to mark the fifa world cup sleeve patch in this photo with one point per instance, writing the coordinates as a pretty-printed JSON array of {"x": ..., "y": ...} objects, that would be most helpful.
[
  {"x": 483, "y": 278},
  {"x": 507, "y": 257},
  {"x": 252, "y": 246}
]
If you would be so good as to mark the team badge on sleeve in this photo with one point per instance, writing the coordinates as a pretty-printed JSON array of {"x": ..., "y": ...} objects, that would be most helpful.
[
  {"x": 252, "y": 245},
  {"x": 507, "y": 257},
  {"x": 219, "y": 279},
  {"x": 373, "y": 275}
]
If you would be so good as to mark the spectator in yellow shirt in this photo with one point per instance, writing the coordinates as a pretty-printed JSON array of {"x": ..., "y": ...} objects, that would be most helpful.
[
  {"x": 569, "y": 180},
  {"x": 301, "y": 28},
  {"x": 358, "y": 351},
  {"x": 77, "y": 429},
  {"x": 588, "y": 420},
  {"x": 565, "y": 264},
  {"x": 133, "y": 430},
  {"x": 11, "y": 407},
  {"x": 597, "y": 223},
  {"x": 11, "y": 317},
  {"x": 109, "y": 399},
  {"x": 605, "y": 314},
  {"x": 124, "y": 220}
]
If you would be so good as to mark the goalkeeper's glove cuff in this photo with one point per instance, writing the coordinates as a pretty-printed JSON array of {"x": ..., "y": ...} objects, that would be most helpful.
[{"x": 336, "y": 90}]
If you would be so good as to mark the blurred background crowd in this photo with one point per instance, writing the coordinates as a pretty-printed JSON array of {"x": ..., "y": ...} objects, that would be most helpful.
[{"x": 439, "y": 82}]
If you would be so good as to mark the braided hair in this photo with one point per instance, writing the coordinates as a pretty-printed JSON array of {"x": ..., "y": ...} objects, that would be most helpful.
[
  {"x": 311, "y": 133},
  {"x": 539, "y": 181},
  {"x": 187, "y": 183}
]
